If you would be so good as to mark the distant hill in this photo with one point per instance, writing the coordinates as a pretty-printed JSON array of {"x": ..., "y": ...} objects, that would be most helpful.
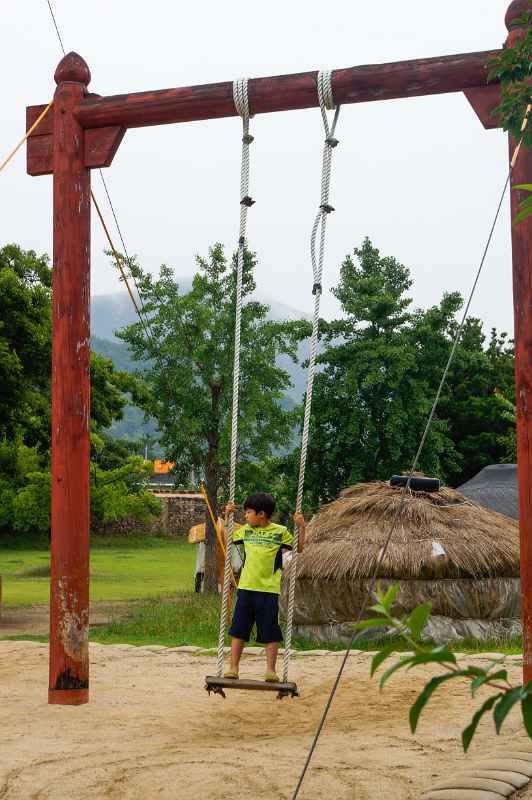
[{"x": 110, "y": 312}]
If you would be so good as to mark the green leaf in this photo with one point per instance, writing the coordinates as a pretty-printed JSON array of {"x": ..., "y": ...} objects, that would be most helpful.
[
  {"x": 526, "y": 186},
  {"x": 427, "y": 692},
  {"x": 505, "y": 704},
  {"x": 404, "y": 662},
  {"x": 487, "y": 676},
  {"x": 416, "y": 621},
  {"x": 389, "y": 598},
  {"x": 522, "y": 215},
  {"x": 380, "y": 657},
  {"x": 372, "y": 622},
  {"x": 378, "y": 608},
  {"x": 469, "y": 732},
  {"x": 438, "y": 655},
  {"x": 526, "y": 709}
]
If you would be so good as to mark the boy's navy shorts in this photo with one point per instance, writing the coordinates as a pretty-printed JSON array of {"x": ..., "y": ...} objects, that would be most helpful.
[{"x": 261, "y": 608}]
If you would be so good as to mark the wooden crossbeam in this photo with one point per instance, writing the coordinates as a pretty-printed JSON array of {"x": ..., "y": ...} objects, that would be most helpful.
[{"x": 425, "y": 76}]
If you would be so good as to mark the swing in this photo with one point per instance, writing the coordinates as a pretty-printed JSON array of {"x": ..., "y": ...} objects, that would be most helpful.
[{"x": 218, "y": 684}]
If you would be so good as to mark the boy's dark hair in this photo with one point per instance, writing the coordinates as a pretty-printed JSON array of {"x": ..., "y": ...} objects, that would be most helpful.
[{"x": 260, "y": 501}]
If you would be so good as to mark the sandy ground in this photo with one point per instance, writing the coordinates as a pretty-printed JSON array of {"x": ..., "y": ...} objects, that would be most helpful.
[{"x": 151, "y": 731}]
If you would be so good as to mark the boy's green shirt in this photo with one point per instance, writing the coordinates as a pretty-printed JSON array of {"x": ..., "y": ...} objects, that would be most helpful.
[{"x": 262, "y": 556}]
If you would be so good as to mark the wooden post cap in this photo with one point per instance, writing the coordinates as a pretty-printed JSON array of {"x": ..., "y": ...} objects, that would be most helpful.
[
  {"x": 516, "y": 10},
  {"x": 72, "y": 68}
]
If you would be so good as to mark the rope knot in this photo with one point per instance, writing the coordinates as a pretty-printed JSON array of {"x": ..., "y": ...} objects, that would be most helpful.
[
  {"x": 247, "y": 201},
  {"x": 331, "y": 141},
  {"x": 248, "y": 138},
  {"x": 316, "y": 289},
  {"x": 240, "y": 98},
  {"x": 326, "y": 208}
]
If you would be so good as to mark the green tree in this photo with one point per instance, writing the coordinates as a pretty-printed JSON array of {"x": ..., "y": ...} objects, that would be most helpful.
[
  {"x": 25, "y": 398},
  {"x": 381, "y": 366},
  {"x": 189, "y": 365},
  {"x": 480, "y": 379},
  {"x": 25, "y": 345},
  {"x": 371, "y": 397}
]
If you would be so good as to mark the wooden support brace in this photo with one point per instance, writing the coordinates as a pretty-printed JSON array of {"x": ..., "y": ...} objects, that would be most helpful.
[
  {"x": 484, "y": 100},
  {"x": 100, "y": 144}
]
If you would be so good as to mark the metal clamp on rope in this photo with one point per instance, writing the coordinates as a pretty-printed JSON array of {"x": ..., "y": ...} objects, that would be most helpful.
[
  {"x": 248, "y": 138},
  {"x": 332, "y": 141},
  {"x": 325, "y": 207},
  {"x": 316, "y": 289},
  {"x": 247, "y": 201},
  {"x": 242, "y": 241}
]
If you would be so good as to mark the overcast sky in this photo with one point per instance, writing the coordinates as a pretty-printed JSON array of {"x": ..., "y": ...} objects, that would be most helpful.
[{"x": 420, "y": 177}]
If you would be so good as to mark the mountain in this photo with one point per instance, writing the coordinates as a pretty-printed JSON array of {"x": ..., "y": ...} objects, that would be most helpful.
[{"x": 110, "y": 312}]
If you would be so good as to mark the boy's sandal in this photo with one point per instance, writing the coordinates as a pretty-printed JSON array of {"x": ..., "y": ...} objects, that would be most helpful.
[
  {"x": 271, "y": 677},
  {"x": 232, "y": 674}
]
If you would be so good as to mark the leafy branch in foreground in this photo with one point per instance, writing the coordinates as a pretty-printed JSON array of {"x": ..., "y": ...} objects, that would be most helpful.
[
  {"x": 513, "y": 69},
  {"x": 409, "y": 628}
]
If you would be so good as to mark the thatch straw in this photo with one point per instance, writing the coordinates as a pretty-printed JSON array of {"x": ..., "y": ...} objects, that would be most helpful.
[{"x": 345, "y": 537}]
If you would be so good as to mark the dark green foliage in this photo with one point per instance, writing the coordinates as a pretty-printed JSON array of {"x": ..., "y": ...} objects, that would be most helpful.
[
  {"x": 513, "y": 68},
  {"x": 25, "y": 394},
  {"x": 25, "y": 344},
  {"x": 380, "y": 366}
]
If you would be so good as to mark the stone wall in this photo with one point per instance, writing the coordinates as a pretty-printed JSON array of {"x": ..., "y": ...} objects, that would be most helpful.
[{"x": 179, "y": 512}]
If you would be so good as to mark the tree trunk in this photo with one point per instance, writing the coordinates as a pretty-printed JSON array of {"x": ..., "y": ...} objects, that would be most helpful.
[{"x": 210, "y": 583}]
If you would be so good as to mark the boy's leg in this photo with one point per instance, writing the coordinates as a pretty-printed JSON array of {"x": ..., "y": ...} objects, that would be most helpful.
[
  {"x": 272, "y": 649},
  {"x": 240, "y": 630},
  {"x": 268, "y": 630},
  {"x": 237, "y": 646}
]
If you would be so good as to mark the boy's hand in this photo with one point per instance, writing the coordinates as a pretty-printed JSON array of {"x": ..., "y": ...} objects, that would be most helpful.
[
  {"x": 229, "y": 509},
  {"x": 299, "y": 519}
]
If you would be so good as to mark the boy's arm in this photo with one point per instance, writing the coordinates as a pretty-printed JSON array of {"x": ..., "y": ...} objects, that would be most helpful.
[{"x": 299, "y": 520}]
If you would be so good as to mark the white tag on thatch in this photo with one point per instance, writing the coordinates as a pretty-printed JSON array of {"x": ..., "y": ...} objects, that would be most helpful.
[{"x": 437, "y": 549}]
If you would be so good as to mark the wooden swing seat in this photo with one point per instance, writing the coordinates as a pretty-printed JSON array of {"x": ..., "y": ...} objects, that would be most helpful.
[{"x": 217, "y": 685}]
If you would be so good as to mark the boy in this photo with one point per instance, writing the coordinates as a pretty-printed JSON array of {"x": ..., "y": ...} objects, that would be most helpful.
[{"x": 262, "y": 543}]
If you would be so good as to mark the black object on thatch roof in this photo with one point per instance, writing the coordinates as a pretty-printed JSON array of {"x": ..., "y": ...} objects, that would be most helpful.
[
  {"x": 495, "y": 487},
  {"x": 437, "y": 535}
]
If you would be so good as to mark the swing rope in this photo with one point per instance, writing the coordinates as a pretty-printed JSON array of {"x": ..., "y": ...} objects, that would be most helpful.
[
  {"x": 326, "y": 99},
  {"x": 240, "y": 98}
]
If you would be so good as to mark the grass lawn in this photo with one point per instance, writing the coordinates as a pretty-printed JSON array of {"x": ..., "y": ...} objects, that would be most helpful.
[
  {"x": 157, "y": 576},
  {"x": 121, "y": 569}
]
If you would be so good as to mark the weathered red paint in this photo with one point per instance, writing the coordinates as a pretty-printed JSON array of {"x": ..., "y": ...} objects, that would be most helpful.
[
  {"x": 100, "y": 146},
  {"x": 522, "y": 290},
  {"x": 69, "y": 597},
  {"x": 288, "y": 92},
  {"x": 522, "y": 287},
  {"x": 485, "y": 100}
]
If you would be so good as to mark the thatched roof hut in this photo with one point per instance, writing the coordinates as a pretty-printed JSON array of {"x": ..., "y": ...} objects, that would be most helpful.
[{"x": 445, "y": 548}]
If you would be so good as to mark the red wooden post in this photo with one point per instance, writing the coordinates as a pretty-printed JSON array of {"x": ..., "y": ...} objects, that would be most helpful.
[
  {"x": 522, "y": 285},
  {"x": 69, "y": 599}
]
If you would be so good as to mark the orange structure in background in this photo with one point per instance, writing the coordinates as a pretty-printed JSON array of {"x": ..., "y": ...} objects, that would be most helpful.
[{"x": 162, "y": 467}]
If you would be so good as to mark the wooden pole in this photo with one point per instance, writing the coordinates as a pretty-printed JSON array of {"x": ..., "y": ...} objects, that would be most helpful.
[
  {"x": 423, "y": 76},
  {"x": 69, "y": 588},
  {"x": 522, "y": 290}
]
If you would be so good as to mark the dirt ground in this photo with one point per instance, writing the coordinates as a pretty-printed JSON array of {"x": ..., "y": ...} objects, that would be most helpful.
[
  {"x": 35, "y": 620},
  {"x": 151, "y": 731}
]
